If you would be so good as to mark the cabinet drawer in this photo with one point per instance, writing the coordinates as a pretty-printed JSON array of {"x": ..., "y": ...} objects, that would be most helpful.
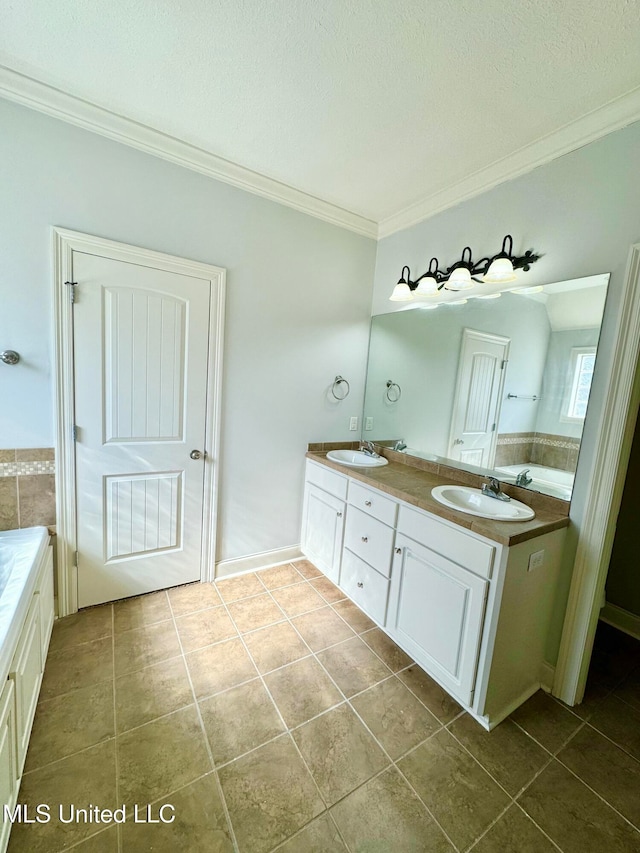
[
  {"x": 370, "y": 539},
  {"x": 453, "y": 544},
  {"x": 325, "y": 478},
  {"x": 373, "y": 503},
  {"x": 368, "y": 589}
]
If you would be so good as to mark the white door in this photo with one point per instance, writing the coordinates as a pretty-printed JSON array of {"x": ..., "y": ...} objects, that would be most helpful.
[
  {"x": 476, "y": 407},
  {"x": 140, "y": 383}
]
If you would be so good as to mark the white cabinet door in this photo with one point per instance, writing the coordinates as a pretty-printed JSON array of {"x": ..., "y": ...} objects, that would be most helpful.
[
  {"x": 26, "y": 672},
  {"x": 8, "y": 768},
  {"x": 436, "y": 611},
  {"x": 322, "y": 527}
]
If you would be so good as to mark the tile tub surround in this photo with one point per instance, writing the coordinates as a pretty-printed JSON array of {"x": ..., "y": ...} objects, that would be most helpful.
[
  {"x": 537, "y": 448},
  {"x": 27, "y": 488},
  {"x": 261, "y": 744}
]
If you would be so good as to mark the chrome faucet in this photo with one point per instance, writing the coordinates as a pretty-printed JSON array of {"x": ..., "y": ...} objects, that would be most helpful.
[
  {"x": 400, "y": 446},
  {"x": 522, "y": 479},
  {"x": 368, "y": 448},
  {"x": 492, "y": 490}
]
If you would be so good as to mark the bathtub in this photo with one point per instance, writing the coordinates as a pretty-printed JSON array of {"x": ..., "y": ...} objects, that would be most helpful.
[
  {"x": 551, "y": 481},
  {"x": 26, "y": 621}
]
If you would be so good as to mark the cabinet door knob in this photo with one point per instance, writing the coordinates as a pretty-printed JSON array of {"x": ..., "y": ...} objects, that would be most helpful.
[
  {"x": 367, "y": 503},
  {"x": 365, "y": 538},
  {"x": 360, "y": 584},
  {"x": 398, "y": 550},
  {"x": 339, "y": 514}
]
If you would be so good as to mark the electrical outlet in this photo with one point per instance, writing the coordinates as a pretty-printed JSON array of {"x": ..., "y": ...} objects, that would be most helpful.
[
  {"x": 536, "y": 560},
  {"x": 368, "y": 423},
  {"x": 353, "y": 423}
]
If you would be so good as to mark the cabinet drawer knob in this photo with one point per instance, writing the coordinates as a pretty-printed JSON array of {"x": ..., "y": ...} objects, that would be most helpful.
[
  {"x": 398, "y": 550},
  {"x": 339, "y": 514},
  {"x": 367, "y": 503},
  {"x": 365, "y": 538},
  {"x": 360, "y": 584}
]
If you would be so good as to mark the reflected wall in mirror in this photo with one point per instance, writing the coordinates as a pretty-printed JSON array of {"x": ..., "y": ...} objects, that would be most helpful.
[{"x": 498, "y": 385}]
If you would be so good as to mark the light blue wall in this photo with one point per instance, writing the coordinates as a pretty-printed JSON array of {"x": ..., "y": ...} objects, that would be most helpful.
[
  {"x": 582, "y": 213},
  {"x": 298, "y": 305}
]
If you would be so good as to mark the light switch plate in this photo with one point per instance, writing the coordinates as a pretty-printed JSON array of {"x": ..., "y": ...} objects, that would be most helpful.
[
  {"x": 353, "y": 423},
  {"x": 368, "y": 423},
  {"x": 536, "y": 560}
]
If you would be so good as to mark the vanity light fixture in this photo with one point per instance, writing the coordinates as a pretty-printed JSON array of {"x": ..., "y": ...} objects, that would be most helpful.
[{"x": 462, "y": 275}]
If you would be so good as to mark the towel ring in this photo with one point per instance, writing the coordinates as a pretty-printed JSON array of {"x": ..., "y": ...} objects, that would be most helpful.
[
  {"x": 391, "y": 395},
  {"x": 336, "y": 387}
]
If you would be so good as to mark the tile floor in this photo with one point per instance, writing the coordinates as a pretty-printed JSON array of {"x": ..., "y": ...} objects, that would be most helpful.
[{"x": 272, "y": 715}]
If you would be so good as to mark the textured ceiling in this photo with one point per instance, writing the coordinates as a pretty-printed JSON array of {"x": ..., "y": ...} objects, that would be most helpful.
[{"x": 369, "y": 105}]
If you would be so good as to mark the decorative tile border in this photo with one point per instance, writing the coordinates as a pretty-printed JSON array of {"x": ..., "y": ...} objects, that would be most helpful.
[
  {"x": 565, "y": 442},
  {"x": 25, "y": 469}
]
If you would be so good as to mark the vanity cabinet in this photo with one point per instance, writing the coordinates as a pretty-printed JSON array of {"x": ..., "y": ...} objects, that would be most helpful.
[
  {"x": 8, "y": 763},
  {"x": 471, "y": 612}
]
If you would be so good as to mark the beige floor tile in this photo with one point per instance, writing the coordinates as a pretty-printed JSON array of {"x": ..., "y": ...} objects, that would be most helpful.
[
  {"x": 275, "y": 646},
  {"x": 386, "y": 649},
  {"x": 456, "y": 790},
  {"x": 329, "y": 591},
  {"x": 81, "y": 627},
  {"x": 242, "y": 586},
  {"x": 608, "y": 770},
  {"x": 594, "y": 695},
  {"x": 353, "y": 666},
  {"x": 298, "y": 599},
  {"x": 384, "y": 814},
  {"x": 395, "y": 716},
  {"x": 322, "y": 628},
  {"x": 150, "y": 693},
  {"x": 145, "y": 646},
  {"x": 204, "y": 628},
  {"x": 161, "y": 756},
  {"x": 620, "y": 722},
  {"x": 87, "y": 777},
  {"x": 307, "y": 569},
  {"x": 192, "y": 597},
  {"x": 302, "y": 690},
  {"x": 319, "y": 836},
  {"x": 430, "y": 693},
  {"x": 80, "y": 666},
  {"x": 514, "y": 831},
  {"x": 69, "y": 723},
  {"x": 200, "y": 825},
  {"x": 270, "y": 795},
  {"x": 280, "y": 576},
  {"x": 574, "y": 817},
  {"x": 256, "y": 612},
  {"x": 507, "y": 753},
  {"x": 339, "y": 751},
  {"x": 546, "y": 720},
  {"x": 239, "y": 720},
  {"x": 104, "y": 842},
  {"x": 219, "y": 667},
  {"x": 141, "y": 610},
  {"x": 353, "y": 616}
]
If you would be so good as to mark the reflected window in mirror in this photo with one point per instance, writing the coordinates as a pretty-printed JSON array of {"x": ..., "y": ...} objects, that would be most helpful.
[{"x": 498, "y": 385}]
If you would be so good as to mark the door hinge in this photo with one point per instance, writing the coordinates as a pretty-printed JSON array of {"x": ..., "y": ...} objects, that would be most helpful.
[
  {"x": 72, "y": 290},
  {"x": 505, "y": 362},
  {"x": 75, "y": 559},
  {"x": 493, "y": 428},
  {"x": 74, "y": 433}
]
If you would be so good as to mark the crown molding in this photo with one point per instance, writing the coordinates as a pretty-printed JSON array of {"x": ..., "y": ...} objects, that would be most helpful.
[
  {"x": 89, "y": 116},
  {"x": 613, "y": 116}
]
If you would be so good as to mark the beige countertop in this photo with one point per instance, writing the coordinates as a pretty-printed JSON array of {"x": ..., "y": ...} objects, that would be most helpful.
[{"x": 413, "y": 486}]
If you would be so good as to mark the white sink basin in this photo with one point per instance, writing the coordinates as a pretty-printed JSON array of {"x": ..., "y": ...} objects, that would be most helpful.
[
  {"x": 473, "y": 502},
  {"x": 356, "y": 459}
]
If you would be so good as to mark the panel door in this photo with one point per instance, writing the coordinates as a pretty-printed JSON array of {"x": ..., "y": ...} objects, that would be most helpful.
[
  {"x": 436, "y": 610},
  {"x": 8, "y": 765},
  {"x": 141, "y": 347},
  {"x": 26, "y": 672},
  {"x": 476, "y": 407},
  {"x": 322, "y": 529}
]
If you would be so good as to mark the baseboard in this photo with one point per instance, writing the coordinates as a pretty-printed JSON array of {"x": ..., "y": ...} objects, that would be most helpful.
[
  {"x": 241, "y": 565},
  {"x": 547, "y": 676},
  {"x": 621, "y": 619}
]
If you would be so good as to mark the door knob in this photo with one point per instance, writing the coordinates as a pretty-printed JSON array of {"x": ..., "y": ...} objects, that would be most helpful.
[
  {"x": 458, "y": 441},
  {"x": 360, "y": 584},
  {"x": 398, "y": 550},
  {"x": 365, "y": 538},
  {"x": 195, "y": 454}
]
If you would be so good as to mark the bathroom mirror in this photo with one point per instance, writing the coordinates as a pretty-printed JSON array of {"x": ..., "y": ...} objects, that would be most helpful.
[{"x": 497, "y": 385}]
